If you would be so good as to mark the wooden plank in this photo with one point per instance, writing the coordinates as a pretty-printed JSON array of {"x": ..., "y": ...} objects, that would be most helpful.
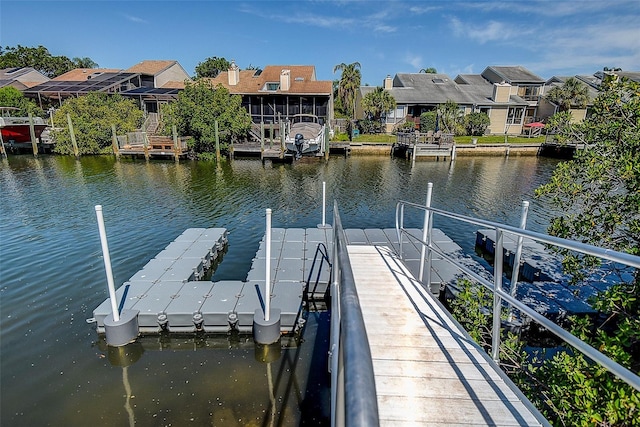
[{"x": 427, "y": 370}]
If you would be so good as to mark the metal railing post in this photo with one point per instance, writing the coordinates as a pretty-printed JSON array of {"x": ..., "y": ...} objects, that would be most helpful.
[
  {"x": 497, "y": 301},
  {"x": 426, "y": 232},
  {"x": 515, "y": 272},
  {"x": 495, "y": 286}
]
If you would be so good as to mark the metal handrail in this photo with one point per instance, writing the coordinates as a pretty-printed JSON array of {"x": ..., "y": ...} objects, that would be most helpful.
[
  {"x": 496, "y": 287},
  {"x": 353, "y": 388}
]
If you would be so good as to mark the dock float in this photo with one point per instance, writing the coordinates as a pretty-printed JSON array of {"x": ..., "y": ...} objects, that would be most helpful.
[
  {"x": 427, "y": 370},
  {"x": 542, "y": 284},
  {"x": 171, "y": 296}
]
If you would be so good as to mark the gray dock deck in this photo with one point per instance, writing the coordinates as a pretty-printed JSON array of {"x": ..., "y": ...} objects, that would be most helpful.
[
  {"x": 169, "y": 290},
  {"x": 427, "y": 370},
  {"x": 170, "y": 294}
]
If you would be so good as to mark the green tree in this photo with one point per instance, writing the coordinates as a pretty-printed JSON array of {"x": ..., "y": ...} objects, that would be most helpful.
[
  {"x": 12, "y": 97},
  {"x": 572, "y": 94},
  {"x": 476, "y": 123},
  {"x": 211, "y": 67},
  {"x": 428, "y": 121},
  {"x": 599, "y": 191},
  {"x": 197, "y": 109},
  {"x": 37, "y": 57},
  {"x": 450, "y": 118},
  {"x": 377, "y": 103},
  {"x": 349, "y": 84},
  {"x": 560, "y": 126},
  {"x": 429, "y": 70},
  {"x": 92, "y": 116},
  {"x": 85, "y": 62}
]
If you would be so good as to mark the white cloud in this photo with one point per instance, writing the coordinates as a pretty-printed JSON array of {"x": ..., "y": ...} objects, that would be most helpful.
[
  {"x": 135, "y": 19},
  {"x": 488, "y": 32},
  {"x": 414, "y": 60}
]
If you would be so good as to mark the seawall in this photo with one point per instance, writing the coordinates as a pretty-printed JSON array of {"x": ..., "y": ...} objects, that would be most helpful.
[{"x": 364, "y": 148}]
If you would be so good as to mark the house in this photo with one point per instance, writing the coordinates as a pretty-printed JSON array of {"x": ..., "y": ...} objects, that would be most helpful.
[
  {"x": 279, "y": 92},
  {"x": 416, "y": 93},
  {"x": 547, "y": 108},
  {"x": 21, "y": 78},
  {"x": 144, "y": 82},
  {"x": 160, "y": 81}
]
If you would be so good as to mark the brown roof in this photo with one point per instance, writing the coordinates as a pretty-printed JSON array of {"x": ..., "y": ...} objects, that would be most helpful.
[
  {"x": 150, "y": 67},
  {"x": 302, "y": 80},
  {"x": 30, "y": 84},
  {"x": 173, "y": 85},
  {"x": 80, "y": 74}
]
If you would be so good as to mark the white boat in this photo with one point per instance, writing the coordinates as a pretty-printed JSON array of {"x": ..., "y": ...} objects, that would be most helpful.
[{"x": 305, "y": 135}]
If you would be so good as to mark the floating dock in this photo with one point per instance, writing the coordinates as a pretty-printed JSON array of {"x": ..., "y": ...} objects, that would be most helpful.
[
  {"x": 542, "y": 285},
  {"x": 170, "y": 294}
]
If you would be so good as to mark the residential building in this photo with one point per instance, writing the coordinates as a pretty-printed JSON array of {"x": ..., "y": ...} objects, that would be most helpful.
[
  {"x": 279, "y": 92},
  {"x": 21, "y": 78},
  {"x": 149, "y": 82},
  {"x": 416, "y": 93},
  {"x": 547, "y": 108}
]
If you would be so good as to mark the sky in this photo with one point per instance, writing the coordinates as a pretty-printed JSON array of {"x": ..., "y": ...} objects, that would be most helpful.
[{"x": 550, "y": 38}]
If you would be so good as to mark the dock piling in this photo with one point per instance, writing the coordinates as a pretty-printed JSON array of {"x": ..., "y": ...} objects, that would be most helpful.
[
  {"x": 120, "y": 328},
  {"x": 324, "y": 206},
  {"x": 266, "y": 323}
]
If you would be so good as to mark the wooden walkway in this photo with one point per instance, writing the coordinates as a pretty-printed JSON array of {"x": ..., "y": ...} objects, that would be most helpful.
[{"x": 427, "y": 370}]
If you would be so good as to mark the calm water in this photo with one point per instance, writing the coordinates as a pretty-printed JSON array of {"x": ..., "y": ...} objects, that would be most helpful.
[{"x": 54, "y": 368}]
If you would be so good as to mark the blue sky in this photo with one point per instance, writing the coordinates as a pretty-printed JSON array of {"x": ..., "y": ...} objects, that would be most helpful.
[{"x": 547, "y": 37}]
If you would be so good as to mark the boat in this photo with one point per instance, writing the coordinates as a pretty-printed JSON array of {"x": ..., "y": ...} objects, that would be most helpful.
[
  {"x": 15, "y": 131},
  {"x": 305, "y": 136}
]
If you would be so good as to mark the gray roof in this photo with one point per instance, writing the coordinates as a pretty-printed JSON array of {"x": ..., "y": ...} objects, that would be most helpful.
[
  {"x": 435, "y": 89},
  {"x": 14, "y": 72},
  {"x": 471, "y": 79},
  {"x": 631, "y": 75},
  {"x": 557, "y": 81},
  {"x": 513, "y": 75}
]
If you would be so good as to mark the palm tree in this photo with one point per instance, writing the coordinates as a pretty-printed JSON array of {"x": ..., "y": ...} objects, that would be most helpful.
[
  {"x": 572, "y": 94},
  {"x": 349, "y": 84},
  {"x": 377, "y": 103}
]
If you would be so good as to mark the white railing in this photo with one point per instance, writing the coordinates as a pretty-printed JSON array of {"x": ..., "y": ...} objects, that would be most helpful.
[{"x": 496, "y": 286}]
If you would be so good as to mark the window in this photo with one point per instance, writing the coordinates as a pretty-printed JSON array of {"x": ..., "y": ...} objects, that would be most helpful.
[
  {"x": 514, "y": 116},
  {"x": 486, "y": 110},
  {"x": 272, "y": 86}
]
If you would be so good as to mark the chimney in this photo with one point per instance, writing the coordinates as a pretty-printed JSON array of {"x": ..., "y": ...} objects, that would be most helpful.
[
  {"x": 501, "y": 92},
  {"x": 234, "y": 74},
  {"x": 388, "y": 82},
  {"x": 285, "y": 80}
]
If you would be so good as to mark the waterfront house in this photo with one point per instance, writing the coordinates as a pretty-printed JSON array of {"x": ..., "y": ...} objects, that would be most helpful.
[
  {"x": 279, "y": 92},
  {"x": 416, "y": 93},
  {"x": 21, "y": 78},
  {"x": 149, "y": 82},
  {"x": 547, "y": 108},
  {"x": 160, "y": 83}
]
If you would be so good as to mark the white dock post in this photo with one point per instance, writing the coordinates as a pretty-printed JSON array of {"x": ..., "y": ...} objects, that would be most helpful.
[
  {"x": 267, "y": 279},
  {"x": 107, "y": 263},
  {"x": 119, "y": 328},
  {"x": 324, "y": 206},
  {"x": 266, "y": 326}
]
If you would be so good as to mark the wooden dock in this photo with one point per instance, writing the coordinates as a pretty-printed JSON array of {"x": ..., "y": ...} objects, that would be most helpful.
[{"x": 428, "y": 371}]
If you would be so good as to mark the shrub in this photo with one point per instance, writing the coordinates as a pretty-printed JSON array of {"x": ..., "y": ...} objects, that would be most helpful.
[{"x": 476, "y": 123}]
